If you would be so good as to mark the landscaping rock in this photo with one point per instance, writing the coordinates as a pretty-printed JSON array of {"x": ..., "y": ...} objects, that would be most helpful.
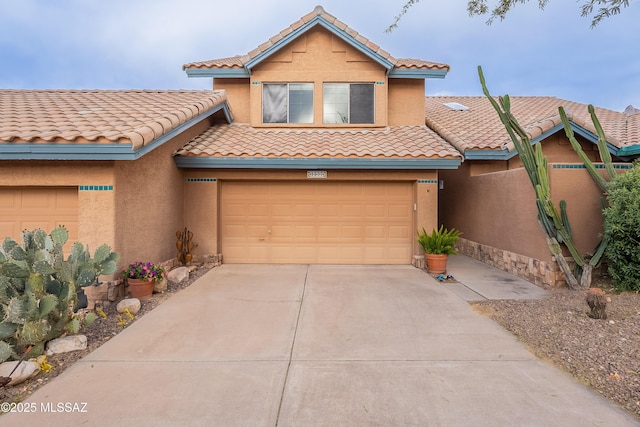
[
  {"x": 177, "y": 275},
  {"x": 133, "y": 304},
  {"x": 25, "y": 371},
  {"x": 160, "y": 286},
  {"x": 67, "y": 344}
]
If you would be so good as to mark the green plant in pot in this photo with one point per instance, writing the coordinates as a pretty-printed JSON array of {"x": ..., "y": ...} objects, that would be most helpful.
[{"x": 437, "y": 247}]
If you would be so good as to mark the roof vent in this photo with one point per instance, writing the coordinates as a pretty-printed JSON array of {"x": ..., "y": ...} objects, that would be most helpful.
[{"x": 456, "y": 106}]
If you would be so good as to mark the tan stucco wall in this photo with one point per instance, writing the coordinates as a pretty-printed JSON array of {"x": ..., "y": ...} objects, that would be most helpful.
[
  {"x": 237, "y": 97},
  {"x": 202, "y": 196},
  {"x": 406, "y": 102},
  {"x": 149, "y": 202},
  {"x": 96, "y": 210},
  {"x": 316, "y": 57},
  {"x": 496, "y": 209}
]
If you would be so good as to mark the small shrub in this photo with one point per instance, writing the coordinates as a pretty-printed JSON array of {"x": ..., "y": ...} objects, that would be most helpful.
[{"x": 622, "y": 229}]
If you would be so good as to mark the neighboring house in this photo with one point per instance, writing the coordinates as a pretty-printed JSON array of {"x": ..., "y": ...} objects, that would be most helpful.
[
  {"x": 490, "y": 197},
  {"x": 312, "y": 148},
  {"x": 100, "y": 163}
]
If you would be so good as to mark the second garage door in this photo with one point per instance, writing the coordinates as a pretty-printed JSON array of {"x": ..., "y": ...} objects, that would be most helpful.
[
  {"x": 317, "y": 222},
  {"x": 29, "y": 208}
]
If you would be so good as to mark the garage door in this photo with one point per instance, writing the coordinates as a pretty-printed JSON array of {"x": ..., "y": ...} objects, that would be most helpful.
[
  {"x": 317, "y": 222},
  {"x": 45, "y": 208}
]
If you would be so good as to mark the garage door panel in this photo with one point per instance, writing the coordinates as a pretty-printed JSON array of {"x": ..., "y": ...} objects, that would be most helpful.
[
  {"x": 317, "y": 222},
  {"x": 45, "y": 208}
]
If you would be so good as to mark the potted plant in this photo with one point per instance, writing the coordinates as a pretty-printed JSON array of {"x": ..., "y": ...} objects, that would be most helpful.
[
  {"x": 437, "y": 247},
  {"x": 141, "y": 277}
]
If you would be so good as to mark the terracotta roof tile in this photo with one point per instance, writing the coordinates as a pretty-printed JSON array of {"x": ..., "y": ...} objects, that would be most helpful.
[
  {"x": 480, "y": 128},
  {"x": 242, "y": 140},
  {"x": 98, "y": 116},
  {"x": 240, "y": 60}
]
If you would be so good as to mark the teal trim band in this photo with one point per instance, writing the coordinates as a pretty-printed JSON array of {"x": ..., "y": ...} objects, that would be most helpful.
[
  {"x": 315, "y": 163},
  {"x": 38, "y": 151},
  {"x": 201, "y": 179},
  {"x": 582, "y": 166},
  {"x": 427, "y": 181},
  {"x": 417, "y": 73},
  {"x": 230, "y": 73},
  {"x": 95, "y": 188}
]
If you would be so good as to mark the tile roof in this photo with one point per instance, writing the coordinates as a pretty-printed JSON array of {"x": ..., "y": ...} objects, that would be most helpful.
[
  {"x": 98, "y": 116},
  {"x": 239, "y": 61},
  {"x": 242, "y": 140},
  {"x": 480, "y": 128}
]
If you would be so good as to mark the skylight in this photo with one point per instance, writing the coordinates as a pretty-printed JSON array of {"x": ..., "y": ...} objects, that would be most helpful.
[{"x": 456, "y": 106}]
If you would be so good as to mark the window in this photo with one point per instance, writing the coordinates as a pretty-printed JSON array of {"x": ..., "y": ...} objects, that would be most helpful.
[
  {"x": 287, "y": 103},
  {"x": 348, "y": 103}
]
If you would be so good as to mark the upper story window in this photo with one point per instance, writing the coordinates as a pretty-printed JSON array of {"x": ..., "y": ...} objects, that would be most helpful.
[
  {"x": 348, "y": 103},
  {"x": 287, "y": 103}
]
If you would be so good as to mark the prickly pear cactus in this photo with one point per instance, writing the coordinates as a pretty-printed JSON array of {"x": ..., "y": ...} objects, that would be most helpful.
[{"x": 38, "y": 288}]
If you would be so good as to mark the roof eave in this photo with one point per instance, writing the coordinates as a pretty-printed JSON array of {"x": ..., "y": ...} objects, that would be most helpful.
[
  {"x": 318, "y": 20},
  {"x": 417, "y": 73},
  {"x": 313, "y": 163},
  {"x": 87, "y": 151},
  {"x": 230, "y": 73}
]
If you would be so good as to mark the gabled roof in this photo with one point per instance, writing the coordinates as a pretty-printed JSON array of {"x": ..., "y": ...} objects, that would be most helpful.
[
  {"x": 98, "y": 124},
  {"x": 395, "y": 147},
  {"x": 479, "y": 133},
  {"x": 241, "y": 65}
]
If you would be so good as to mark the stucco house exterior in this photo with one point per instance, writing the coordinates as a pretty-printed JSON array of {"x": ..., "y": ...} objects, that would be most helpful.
[
  {"x": 490, "y": 196},
  {"x": 316, "y": 147}
]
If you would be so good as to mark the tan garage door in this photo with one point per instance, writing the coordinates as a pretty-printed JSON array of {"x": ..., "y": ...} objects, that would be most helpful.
[
  {"x": 31, "y": 208},
  {"x": 317, "y": 222}
]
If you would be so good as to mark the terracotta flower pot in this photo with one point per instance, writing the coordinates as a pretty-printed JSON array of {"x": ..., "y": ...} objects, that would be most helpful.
[
  {"x": 141, "y": 289},
  {"x": 436, "y": 263}
]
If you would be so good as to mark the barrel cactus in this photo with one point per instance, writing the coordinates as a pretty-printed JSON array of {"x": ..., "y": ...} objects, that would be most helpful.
[{"x": 38, "y": 289}]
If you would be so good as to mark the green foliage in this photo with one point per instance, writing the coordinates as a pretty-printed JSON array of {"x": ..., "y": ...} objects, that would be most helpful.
[
  {"x": 622, "y": 228},
  {"x": 38, "y": 288},
  {"x": 440, "y": 241}
]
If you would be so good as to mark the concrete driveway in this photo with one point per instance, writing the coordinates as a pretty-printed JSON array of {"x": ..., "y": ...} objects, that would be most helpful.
[{"x": 298, "y": 345}]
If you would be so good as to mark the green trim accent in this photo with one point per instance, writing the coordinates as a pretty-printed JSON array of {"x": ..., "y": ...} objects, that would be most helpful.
[
  {"x": 256, "y": 83},
  {"x": 427, "y": 181},
  {"x": 315, "y": 163},
  {"x": 417, "y": 73},
  {"x": 379, "y": 83},
  {"x": 95, "y": 187},
  {"x": 231, "y": 73},
  {"x": 581, "y": 166},
  {"x": 201, "y": 179}
]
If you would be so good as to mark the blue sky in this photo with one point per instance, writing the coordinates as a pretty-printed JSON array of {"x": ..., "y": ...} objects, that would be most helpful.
[{"x": 142, "y": 44}]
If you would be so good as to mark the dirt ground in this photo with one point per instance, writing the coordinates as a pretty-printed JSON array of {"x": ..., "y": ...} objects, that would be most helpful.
[{"x": 603, "y": 354}]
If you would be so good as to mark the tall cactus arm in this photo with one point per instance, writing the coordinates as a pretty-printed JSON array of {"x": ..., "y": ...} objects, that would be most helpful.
[
  {"x": 602, "y": 183},
  {"x": 605, "y": 155}
]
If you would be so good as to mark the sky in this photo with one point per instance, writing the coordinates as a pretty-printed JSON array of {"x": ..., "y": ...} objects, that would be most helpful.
[{"x": 142, "y": 44}]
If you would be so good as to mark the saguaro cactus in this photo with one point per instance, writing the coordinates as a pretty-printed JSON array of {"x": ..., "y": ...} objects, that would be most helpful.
[{"x": 555, "y": 224}]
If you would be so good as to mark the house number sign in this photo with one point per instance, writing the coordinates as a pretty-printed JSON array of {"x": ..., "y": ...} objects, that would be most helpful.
[{"x": 316, "y": 174}]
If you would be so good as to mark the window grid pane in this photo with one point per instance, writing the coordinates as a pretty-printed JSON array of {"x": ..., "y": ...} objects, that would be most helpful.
[
  {"x": 336, "y": 103},
  {"x": 301, "y": 103}
]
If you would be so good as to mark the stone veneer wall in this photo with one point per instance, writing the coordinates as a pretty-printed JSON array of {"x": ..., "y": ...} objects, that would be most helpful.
[{"x": 531, "y": 269}]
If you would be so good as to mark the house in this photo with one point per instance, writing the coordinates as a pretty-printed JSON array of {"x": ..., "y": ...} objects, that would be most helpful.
[
  {"x": 316, "y": 147},
  {"x": 490, "y": 197},
  {"x": 311, "y": 149}
]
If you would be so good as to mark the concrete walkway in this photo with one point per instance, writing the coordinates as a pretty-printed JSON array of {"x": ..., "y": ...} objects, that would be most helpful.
[{"x": 298, "y": 345}]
